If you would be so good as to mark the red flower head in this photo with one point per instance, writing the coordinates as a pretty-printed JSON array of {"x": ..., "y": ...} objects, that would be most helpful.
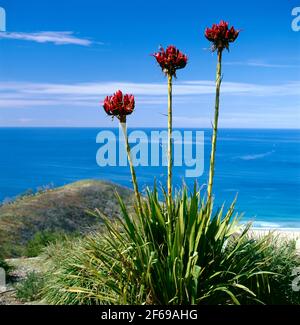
[
  {"x": 171, "y": 59},
  {"x": 119, "y": 105},
  {"x": 220, "y": 35}
]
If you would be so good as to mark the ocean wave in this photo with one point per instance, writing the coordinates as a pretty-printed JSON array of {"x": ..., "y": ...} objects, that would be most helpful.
[
  {"x": 265, "y": 224},
  {"x": 255, "y": 156},
  {"x": 231, "y": 190}
]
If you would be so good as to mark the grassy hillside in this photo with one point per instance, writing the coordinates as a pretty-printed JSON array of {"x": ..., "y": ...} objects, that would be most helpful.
[{"x": 61, "y": 210}]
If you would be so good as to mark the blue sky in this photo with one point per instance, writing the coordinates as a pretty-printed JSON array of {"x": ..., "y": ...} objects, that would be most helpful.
[{"x": 58, "y": 59}]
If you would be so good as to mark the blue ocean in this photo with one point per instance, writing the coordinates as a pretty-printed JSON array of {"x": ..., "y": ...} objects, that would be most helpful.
[{"x": 261, "y": 166}]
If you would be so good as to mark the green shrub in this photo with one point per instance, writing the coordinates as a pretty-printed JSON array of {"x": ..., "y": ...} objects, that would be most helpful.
[
  {"x": 40, "y": 240},
  {"x": 30, "y": 288},
  {"x": 283, "y": 259},
  {"x": 4, "y": 265},
  {"x": 178, "y": 255},
  {"x": 75, "y": 273}
]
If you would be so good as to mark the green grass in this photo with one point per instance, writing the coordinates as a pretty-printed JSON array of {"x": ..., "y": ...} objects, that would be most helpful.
[
  {"x": 74, "y": 273},
  {"x": 180, "y": 255},
  {"x": 283, "y": 259},
  {"x": 42, "y": 239},
  {"x": 30, "y": 288}
]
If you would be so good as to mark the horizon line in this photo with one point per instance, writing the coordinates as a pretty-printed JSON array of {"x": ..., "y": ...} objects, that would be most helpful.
[{"x": 143, "y": 127}]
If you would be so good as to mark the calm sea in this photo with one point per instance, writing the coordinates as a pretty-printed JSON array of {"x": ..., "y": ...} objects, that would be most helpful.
[{"x": 262, "y": 166}]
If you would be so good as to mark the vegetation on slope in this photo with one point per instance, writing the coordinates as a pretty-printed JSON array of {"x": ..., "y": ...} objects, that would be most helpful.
[
  {"x": 45, "y": 216},
  {"x": 192, "y": 256}
]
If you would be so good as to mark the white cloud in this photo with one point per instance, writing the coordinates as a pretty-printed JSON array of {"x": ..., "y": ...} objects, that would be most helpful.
[
  {"x": 57, "y": 38},
  {"x": 260, "y": 64},
  {"x": 260, "y": 118},
  {"x": 24, "y": 120},
  {"x": 22, "y": 94}
]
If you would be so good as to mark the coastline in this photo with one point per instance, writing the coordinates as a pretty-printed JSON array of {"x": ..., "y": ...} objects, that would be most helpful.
[{"x": 259, "y": 194}]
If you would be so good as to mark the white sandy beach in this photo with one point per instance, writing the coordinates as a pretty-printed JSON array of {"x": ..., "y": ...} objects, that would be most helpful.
[
  {"x": 283, "y": 235},
  {"x": 288, "y": 233}
]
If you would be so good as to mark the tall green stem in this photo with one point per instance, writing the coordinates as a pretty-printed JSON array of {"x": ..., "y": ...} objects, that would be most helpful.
[
  {"x": 134, "y": 181},
  {"x": 215, "y": 127},
  {"x": 170, "y": 160}
]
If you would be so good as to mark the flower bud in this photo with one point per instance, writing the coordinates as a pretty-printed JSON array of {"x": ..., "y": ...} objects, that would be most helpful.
[
  {"x": 119, "y": 105},
  {"x": 220, "y": 35},
  {"x": 170, "y": 59}
]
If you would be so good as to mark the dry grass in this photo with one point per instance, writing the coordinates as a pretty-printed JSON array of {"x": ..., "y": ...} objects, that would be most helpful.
[{"x": 58, "y": 210}]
